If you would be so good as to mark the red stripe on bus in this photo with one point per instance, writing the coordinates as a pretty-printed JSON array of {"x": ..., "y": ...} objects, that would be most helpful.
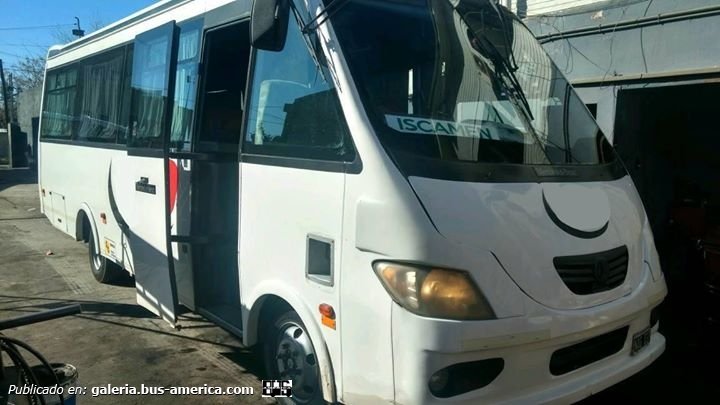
[{"x": 173, "y": 182}]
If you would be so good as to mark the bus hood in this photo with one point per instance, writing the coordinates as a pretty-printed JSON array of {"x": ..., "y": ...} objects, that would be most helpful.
[{"x": 527, "y": 226}]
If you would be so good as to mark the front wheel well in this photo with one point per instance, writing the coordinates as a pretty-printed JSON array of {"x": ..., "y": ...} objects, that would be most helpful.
[
  {"x": 264, "y": 313},
  {"x": 266, "y": 309}
]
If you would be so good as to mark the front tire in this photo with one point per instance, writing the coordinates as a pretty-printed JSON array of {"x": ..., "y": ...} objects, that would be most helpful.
[
  {"x": 102, "y": 269},
  {"x": 288, "y": 354}
]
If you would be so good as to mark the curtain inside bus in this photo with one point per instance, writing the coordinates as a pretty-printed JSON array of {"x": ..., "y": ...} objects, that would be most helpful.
[
  {"x": 102, "y": 85},
  {"x": 185, "y": 86},
  {"x": 151, "y": 59},
  {"x": 59, "y": 111}
]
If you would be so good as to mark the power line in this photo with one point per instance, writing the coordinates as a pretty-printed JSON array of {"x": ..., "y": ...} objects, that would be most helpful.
[
  {"x": 28, "y": 54},
  {"x": 15, "y": 69},
  {"x": 11, "y": 54},
  {"x": 34, "y": 27},
  {"x": 24, "y": 45}
]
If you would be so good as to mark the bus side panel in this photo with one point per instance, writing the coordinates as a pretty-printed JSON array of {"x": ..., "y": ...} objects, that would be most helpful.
[
  {"x": 280, "y": 208},
  {"x": 74, "y": 175}
]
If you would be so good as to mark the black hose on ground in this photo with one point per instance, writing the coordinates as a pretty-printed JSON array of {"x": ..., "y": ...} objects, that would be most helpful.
[
  {"x": 8, "y": 344},
  {"x": 24, "y": 370}
]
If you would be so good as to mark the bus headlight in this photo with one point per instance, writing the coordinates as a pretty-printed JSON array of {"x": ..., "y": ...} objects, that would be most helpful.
[{"x": 434, "y": 292}]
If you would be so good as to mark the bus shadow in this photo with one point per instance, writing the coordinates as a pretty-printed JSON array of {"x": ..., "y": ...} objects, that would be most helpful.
[
  {"x": 104, "y": 312},
  {"x": 124, "y": 280},
  {"x": 247, "y": 359},
  {"x": 90, "y": 308}
]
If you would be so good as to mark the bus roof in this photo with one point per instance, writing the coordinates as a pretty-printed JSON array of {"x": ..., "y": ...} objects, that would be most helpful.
[
  {"x": 124, "y": 30},
  {"x": 116, "y": 26}
]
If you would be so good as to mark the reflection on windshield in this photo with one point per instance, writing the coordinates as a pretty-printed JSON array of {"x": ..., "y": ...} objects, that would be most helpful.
[{"x": 439, "y": 81}]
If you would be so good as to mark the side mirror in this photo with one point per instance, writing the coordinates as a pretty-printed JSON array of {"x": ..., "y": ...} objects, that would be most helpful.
[{"x": 269, "y": 24}]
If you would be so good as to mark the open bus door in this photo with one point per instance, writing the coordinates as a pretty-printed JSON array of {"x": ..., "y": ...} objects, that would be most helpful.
[
  {"x": 166, "y": 237},
  {"x": 148, "y": 226},
  {"x": 205, "y": 238}
]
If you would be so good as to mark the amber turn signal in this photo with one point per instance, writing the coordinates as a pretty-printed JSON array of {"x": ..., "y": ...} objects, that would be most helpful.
[{"x": 327, "y": 315}]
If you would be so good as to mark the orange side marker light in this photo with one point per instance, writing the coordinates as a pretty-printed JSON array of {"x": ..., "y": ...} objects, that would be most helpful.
[{"x": 327, "y": 314}]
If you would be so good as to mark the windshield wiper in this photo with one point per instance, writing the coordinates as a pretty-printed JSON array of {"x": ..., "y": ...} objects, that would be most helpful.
[
  {"x": 512, "y": 62},
  {"x": 315, "y": 53},
  {"x": 507, "y": 65},
  {"x": 509, "y": 72},
  {"x": 324, "y": 15},
  {"x": 502, "y": 66}
]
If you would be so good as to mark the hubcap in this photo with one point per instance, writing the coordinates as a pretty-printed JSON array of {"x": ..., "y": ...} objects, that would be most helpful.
[
  {"x": 296, "y": 361},
  {"x": 96, "y": 260}
]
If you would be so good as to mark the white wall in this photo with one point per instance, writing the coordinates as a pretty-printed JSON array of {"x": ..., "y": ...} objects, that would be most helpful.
[{"x": 536, "y": 7}]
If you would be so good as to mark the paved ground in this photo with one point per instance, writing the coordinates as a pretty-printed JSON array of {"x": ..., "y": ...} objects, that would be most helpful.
[
  {"x": 117, "y": 342},
  {"x": 114, "y": 341}
]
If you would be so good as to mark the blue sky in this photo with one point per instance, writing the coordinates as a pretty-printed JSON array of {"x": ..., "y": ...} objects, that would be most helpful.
[{"x": 53, "y": 16}]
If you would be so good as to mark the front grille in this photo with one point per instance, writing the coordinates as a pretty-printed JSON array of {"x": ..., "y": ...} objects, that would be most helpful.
[
  {"x": 580, "y": 355},
  {"x": 593, "y": 273}
]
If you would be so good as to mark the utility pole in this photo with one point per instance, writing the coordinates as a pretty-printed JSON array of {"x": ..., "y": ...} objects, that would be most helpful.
[
  {"x": 522, "y": 8},
  {"x": 4, "y": 94},
  {"x": 12, "y": 117}
]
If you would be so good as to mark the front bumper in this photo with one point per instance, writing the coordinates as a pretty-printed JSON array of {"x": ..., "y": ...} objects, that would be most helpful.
[{"x": 422, "y": 346}]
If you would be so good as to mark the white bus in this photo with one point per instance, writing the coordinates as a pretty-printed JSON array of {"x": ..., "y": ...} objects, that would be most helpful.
[{"x": 397, "y": 201}]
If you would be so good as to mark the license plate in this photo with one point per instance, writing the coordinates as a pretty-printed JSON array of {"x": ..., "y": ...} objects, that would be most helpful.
[{"x": 640, "y": 340}]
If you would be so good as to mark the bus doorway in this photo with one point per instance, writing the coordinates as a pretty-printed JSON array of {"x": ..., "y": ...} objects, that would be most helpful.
[{"x": 215, "y": 175}]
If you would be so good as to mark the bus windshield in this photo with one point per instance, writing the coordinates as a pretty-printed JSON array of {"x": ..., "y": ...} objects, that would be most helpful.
[{"x": 454, "y": 80}]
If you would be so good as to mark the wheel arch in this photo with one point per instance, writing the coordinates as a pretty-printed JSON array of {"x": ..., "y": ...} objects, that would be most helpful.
[
  {"x": 274, "y": 303},
  {"x": 85, "y": 213}
]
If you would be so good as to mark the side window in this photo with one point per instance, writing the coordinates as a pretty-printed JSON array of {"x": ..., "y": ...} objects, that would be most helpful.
[
  {"x": 125, "y": 96},
  {"x": 587, "y": 143},
  {"x": 60, "y": 112},
  {"x": 186, "y": 78},
  {"x": 227, "y": 53},
  {"x": 150, "y": 86},
  {"x": 100, "y": 110},
  {"x": 294, "y": 110}
]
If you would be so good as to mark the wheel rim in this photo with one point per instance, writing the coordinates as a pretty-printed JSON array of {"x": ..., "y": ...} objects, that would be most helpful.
[
  {"x": 296, "y": 361},
  {"x": 94, "y": 257}
]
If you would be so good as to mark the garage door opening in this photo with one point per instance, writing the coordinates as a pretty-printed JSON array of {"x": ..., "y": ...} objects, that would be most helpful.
[{"x": 669, "y": 139}]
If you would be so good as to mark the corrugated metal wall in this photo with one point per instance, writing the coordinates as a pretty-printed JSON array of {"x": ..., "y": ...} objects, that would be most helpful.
[
  {"x": 598, "y": 63},
  {"x": 537, "y": 7}
]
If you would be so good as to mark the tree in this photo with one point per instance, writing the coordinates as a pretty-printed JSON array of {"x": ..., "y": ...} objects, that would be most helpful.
[
  {"x": 11, "y": 93},
  {"x": 29, "y": 72}
]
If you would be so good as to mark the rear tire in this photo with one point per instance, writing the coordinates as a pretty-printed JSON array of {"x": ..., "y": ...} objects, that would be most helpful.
[
  {"x": 102, "y": 269},
  {"x": 289, "y": 354}
]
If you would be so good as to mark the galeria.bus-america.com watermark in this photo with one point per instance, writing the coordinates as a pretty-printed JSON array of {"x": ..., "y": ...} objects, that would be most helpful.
[{"x": 127, "y": 389}]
